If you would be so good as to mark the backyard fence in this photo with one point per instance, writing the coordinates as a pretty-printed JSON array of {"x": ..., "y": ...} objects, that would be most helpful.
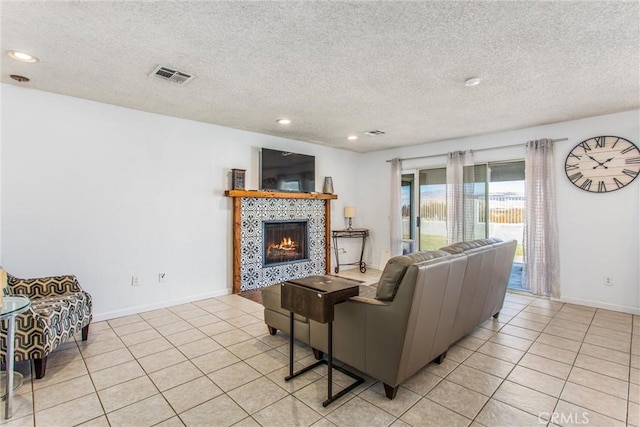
[{"x": 503, "y": 210}]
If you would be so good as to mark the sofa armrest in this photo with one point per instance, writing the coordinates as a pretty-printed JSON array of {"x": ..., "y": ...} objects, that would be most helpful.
[
  {"x": 367, "y": 333},
  {"x": 42, "y": 287},
  {"x": 370, "y": 301}
]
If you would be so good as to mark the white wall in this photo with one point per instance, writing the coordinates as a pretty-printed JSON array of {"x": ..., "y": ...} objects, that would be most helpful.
[
  {"x": 1, "y": 198},
  {"x": 105, "y": 192},
  {"x": 599, "y": 233}
]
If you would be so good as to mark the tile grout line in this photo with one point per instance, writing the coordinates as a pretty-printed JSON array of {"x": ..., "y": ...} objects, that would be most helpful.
[
  {"x": 474, "y": 351},
  {"x": 104, "y": 413},
  {"x": 570, "y": 370},
  {"x": 397, "y": 418},
  {"x": 572, "y": 367},
  {"x": 506, "y": 376},
  {"x": 205, "y": 375}
]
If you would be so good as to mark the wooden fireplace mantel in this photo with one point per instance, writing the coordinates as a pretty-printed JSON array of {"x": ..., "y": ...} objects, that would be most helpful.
[
  {"x": 279, "y": 195},
  {"x": 237, "y": 195}
]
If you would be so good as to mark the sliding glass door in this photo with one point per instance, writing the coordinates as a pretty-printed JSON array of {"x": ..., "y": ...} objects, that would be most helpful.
[
  {"x": 409, "y": 232},
  {"x": 494, "y": 206},
  {"x": 506, "y": 211},
  {"x": 432, "y": 216},
  {"x": 506, "y": 203},
  {"x": 424, "y": 209}
]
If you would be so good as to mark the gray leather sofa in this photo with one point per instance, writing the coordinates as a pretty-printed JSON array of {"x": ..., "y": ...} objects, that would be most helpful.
[{"x": 424, "y": 303}]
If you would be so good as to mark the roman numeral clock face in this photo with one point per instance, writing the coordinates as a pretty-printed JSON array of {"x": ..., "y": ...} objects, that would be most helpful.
[{"x": 603, "y": 164}]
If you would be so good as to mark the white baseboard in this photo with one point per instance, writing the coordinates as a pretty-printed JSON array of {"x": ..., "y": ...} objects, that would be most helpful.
[
  {"x": 598, "y": 304},
  {"x": 99, "y": 317}
]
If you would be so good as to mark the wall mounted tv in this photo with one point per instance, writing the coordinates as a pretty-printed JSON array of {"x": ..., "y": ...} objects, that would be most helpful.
[{"x": 287, "y": 171}]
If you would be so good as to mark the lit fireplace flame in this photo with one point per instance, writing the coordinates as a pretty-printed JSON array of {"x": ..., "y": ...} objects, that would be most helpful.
[
  {"x": 285, "y": 250},
  {"x": 286, "y": 244}
]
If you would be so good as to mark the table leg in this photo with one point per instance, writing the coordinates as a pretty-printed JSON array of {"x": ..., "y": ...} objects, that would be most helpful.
[
  {"x": 359, "y": 380},
  {"x": 330, "y": 363},
  {"x": 10, "y": 367},
  {"x": 291, "y": 344},
  {"x": 303, "y": 370},
  {"x": 363, "y": 266},
  {"x": 335, "y": 248}
]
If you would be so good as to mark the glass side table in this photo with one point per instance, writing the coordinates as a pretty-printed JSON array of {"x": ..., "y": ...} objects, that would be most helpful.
[{"x": 11, "y": 307}]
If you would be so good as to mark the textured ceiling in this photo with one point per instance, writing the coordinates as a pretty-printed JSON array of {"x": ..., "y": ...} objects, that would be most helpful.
[{"x": 338, "y": 68}]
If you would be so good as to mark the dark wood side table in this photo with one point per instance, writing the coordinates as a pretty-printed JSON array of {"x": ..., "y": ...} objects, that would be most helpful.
[
  {"x": 315, "y": 297},
  {"x": 354, "y": 233}
]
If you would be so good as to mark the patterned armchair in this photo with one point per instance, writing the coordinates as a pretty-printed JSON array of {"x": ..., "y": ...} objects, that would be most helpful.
[{"x": 59, "y": 309}]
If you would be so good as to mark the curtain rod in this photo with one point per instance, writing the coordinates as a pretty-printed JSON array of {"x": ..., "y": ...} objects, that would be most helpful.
[{"x": 473, "y": 151}]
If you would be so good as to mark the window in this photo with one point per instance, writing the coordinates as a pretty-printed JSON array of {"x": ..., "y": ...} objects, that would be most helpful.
[{"x": 496, "y": 208}]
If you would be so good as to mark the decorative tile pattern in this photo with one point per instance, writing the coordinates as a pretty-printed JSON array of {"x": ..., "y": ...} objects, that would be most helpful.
[{"x": 253, "y": 274}]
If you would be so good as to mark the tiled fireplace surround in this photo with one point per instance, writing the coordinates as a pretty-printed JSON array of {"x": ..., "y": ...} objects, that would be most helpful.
[
  {"x": 251, "y": 209},
  {"x": 253, "y": 273}
]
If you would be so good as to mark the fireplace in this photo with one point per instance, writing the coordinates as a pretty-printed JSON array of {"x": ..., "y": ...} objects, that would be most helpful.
[
  {"x": 251, "y": 209},
  {"x": 285, "y": 242}
]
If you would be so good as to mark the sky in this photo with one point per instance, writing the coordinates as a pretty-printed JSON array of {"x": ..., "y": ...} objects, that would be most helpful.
[{"x": 438, "y": 191}]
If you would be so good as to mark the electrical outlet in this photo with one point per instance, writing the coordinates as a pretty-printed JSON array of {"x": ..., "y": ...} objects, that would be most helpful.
[
  {"x": 162, "y": 277},
  {"x": 608, "y": 281},
  {"x": 135, "y": 281}
]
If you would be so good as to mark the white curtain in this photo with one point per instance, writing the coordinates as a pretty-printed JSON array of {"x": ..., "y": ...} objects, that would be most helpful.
[
  {"x": 396, "y": 209},
  {"x": 460, "y": 196},
  {"x": 541, "y": 264}
]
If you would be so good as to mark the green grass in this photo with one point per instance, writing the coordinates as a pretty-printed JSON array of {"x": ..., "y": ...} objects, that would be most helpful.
[
  {"x": 519, "y": 251},
  {"x": 428, "y": 242}
]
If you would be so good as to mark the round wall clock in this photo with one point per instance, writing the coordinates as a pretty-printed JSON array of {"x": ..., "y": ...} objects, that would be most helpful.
[{"x": 603, "y": 164}]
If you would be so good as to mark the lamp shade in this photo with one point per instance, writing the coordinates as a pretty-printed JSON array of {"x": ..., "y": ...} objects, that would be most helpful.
[{"x": 349, "y": 212}]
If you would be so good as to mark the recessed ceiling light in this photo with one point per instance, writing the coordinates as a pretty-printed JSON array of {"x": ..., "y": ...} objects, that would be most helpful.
[
  {"x": 22, "y": 56},
  {"x": 473, "y": 81},
  {"x": 352, "y": 137},
  {"x": 284, "y": 121}
]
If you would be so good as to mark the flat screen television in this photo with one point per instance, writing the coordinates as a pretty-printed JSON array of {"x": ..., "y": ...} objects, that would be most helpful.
[{"x": 287, "y": 171}]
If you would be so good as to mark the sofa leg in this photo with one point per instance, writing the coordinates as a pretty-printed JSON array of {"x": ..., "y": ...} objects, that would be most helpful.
[
  {"x": 272, "y": 330},
  {"x": 85, "y": 333},
  {"x": 440, "y": 358},
  {"x": 495, "y": 316},
  {"x": 390, "y": 391},
  {"x": 40, "y": 366},
  {"x": 317, "y": 354}
]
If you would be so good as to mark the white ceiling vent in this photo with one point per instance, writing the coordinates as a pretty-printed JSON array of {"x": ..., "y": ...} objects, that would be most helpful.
[
  {"x": 172, "y": 75},
  {"x": 376, "y": 132}
]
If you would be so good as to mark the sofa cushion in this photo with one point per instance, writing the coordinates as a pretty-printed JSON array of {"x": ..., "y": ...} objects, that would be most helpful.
[
  {"x": 396, "y": 267},
  {"x": 457, "y": 248}
]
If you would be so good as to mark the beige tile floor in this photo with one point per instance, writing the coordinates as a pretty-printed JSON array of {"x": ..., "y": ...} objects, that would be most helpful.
[{"x": 213, "y": 363}]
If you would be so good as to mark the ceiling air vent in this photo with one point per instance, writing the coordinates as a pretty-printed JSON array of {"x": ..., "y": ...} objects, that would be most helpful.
[
  {"x": 375, "y": 133},
  {"x": 171, "y": 75}
]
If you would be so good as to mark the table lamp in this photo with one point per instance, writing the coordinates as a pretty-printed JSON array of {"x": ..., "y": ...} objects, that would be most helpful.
[{"x": 350, "y": 212}]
